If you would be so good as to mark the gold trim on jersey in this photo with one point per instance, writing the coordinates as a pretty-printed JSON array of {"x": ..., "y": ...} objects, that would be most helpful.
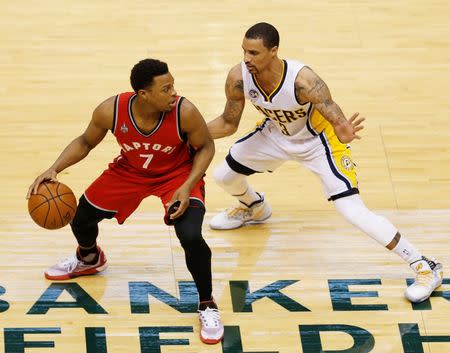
[
  {"x": 259, "y": 122},
  {"x": 317, "y": 121},
  {"x": 268, "y": 97}
]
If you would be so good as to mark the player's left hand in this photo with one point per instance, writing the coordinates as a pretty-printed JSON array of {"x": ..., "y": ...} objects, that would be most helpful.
[
  {"x": 181, "y": 195},
  {"x": 346, "y": 131}
]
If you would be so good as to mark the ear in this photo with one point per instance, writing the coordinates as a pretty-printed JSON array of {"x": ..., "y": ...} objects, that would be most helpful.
[
  {"x": 274, "y": 51},
  {"x": 143, "y": 93}
]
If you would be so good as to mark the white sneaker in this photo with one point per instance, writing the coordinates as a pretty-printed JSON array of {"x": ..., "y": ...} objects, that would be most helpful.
[
  {"x": 429, "y": 276},
  {"x": 238, "y": 216},
  {"x": 212, "y": 330},
  {"x": 73, "y": 267}
]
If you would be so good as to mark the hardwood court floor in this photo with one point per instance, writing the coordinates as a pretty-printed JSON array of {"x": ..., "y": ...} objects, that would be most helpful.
[
  {"x": 305, "y": 268},
  {"x": 303, "y": 282}
]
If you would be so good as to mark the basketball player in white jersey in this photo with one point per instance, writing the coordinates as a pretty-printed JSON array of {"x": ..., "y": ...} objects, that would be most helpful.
[{"x": 304, "y": 124}]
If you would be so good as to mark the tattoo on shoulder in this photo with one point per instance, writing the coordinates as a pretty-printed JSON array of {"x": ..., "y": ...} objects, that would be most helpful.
[
  {"x": 327, "y": 102},
  {"x": 239, "y": 85},
  {"x": 316, "y": 92},
  {"x": 317, "y": 86}
]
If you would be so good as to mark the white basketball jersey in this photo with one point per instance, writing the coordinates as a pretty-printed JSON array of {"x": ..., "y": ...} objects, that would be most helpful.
[{"x": 281, "y": 105}]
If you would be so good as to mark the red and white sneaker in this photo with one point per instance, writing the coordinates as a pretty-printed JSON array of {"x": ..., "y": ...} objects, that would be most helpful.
[
  {"x": 211, "y": 330},
  {"x": 72, "y": 267}
]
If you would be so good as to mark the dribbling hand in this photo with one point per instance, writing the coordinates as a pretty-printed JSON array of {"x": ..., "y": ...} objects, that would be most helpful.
[{"x": 49, "y": 174}]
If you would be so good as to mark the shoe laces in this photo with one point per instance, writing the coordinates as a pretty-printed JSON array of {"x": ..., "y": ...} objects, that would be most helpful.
[
  {"x": 240, "y": 212},
  {"x": 424, "y": 278},
  {"x": 210, "y": 317},
  {"x": 69, "y": 264}
]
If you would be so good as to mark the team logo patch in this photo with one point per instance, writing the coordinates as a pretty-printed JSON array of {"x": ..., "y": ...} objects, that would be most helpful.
[
  {"x": 253, "y": 94},
  {"x": 346, "y": 163},
  {"x": 124, "y": 128}
]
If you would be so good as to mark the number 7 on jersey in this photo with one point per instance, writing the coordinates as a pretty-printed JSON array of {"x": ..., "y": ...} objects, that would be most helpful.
[{"x": 147, "y": 161}]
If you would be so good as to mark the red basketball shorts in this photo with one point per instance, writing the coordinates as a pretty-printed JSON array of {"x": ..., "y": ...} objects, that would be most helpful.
[{"x": 121, "y": 190}]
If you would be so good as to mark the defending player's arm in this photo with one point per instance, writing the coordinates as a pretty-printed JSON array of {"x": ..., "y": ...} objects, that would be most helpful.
[
  {"x": 79, "y": 148},
  {"x": 193, "y": 124},
  {"x": 228, "y": 122},
  {"x": 309, "y": 87}
]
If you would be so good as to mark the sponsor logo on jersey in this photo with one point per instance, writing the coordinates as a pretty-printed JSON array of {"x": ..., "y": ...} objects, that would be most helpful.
[
  {"x": 124, "y": 128},
  {"x": 253, "y": 94},
  {"x": 346, "y": 163}
]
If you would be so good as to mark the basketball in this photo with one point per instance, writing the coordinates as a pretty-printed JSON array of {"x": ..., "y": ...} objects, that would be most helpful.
[{"x": 53, "y": 206}]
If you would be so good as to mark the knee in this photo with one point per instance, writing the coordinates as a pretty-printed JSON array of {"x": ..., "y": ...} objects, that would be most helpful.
[
  {"x": 188, "y": 227},
  {"x": 349, "y": 214},
  {"x": 83, "y": 215},
  {"x": 352, "y": 209},
  {"x": 194, "y": 244},
  {"x": 355, "y": 212},
  {"x": 87, "y": 215},
  {"x": 224, "y": 175},
  {"x": 189, "y": 237}
]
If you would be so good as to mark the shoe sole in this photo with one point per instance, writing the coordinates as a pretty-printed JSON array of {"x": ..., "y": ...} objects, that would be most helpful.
[
  {"x": 211, "y": 340},
  {"x": 91, "y": 271},
  {"x": 416, "y": 301},
  {"x": 259, "y": 221}
]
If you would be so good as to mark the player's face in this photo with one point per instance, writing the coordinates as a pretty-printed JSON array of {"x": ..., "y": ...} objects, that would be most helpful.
[
  {"x": 257, "y": 57},
  {"x": 161, "y": 94}
]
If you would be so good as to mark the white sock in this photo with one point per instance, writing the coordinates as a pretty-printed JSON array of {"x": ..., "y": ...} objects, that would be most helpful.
[
  {"x": 407, "y": 251},
  {"x": 249, "y": 197}
]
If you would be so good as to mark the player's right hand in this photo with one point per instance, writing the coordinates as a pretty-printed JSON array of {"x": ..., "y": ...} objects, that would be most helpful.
[
  {"x": 49, "y": 174},
  {"x": 181, "y": 198}
]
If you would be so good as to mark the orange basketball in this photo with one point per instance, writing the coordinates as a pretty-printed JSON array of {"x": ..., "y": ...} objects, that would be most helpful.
[{"x": 53, "y": 206}]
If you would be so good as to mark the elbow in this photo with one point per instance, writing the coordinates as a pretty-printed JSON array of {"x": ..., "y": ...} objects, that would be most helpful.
[
  {"x": 211, "y": 148},
  {"x": 233, "y": 129},
  {"x": 208, "y": 146},
  {"x": 230, "y": 129},
  {"x": 85, "y": 145}
]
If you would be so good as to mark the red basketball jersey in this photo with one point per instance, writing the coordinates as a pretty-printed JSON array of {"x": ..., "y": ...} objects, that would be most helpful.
[{"x": 162, "y": 153}]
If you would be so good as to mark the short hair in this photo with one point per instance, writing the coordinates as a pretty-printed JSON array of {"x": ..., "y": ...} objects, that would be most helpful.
[
  {"x": 144, "y": 72},
  {"x": 266, "y": 32}
]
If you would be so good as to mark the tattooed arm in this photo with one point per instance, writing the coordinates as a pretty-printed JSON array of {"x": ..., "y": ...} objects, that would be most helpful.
[
  {"x": 227, "y": 123},
  {"x": 309, "y": 87}
]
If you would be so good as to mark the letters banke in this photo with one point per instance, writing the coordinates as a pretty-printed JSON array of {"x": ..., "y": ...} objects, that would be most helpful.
[{"x": 242, "y": 299}]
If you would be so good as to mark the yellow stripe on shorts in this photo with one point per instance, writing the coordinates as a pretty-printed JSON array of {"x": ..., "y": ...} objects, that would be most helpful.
[{"x": 338, "y": 154}]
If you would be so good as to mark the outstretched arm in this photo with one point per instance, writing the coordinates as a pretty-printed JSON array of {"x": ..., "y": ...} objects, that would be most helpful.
[
  {"x": 101, "y": 121},
  {"x": 227, "y": 123},
  {"x": 309, "y": 87},
  {"x": 193, "y": 124}
]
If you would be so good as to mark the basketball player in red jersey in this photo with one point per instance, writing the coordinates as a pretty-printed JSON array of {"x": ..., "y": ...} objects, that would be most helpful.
[{"x": 165, "y": 151}]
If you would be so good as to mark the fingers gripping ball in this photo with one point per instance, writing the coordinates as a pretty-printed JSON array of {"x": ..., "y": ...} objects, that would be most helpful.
[{"x": 53, "y": 206}]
